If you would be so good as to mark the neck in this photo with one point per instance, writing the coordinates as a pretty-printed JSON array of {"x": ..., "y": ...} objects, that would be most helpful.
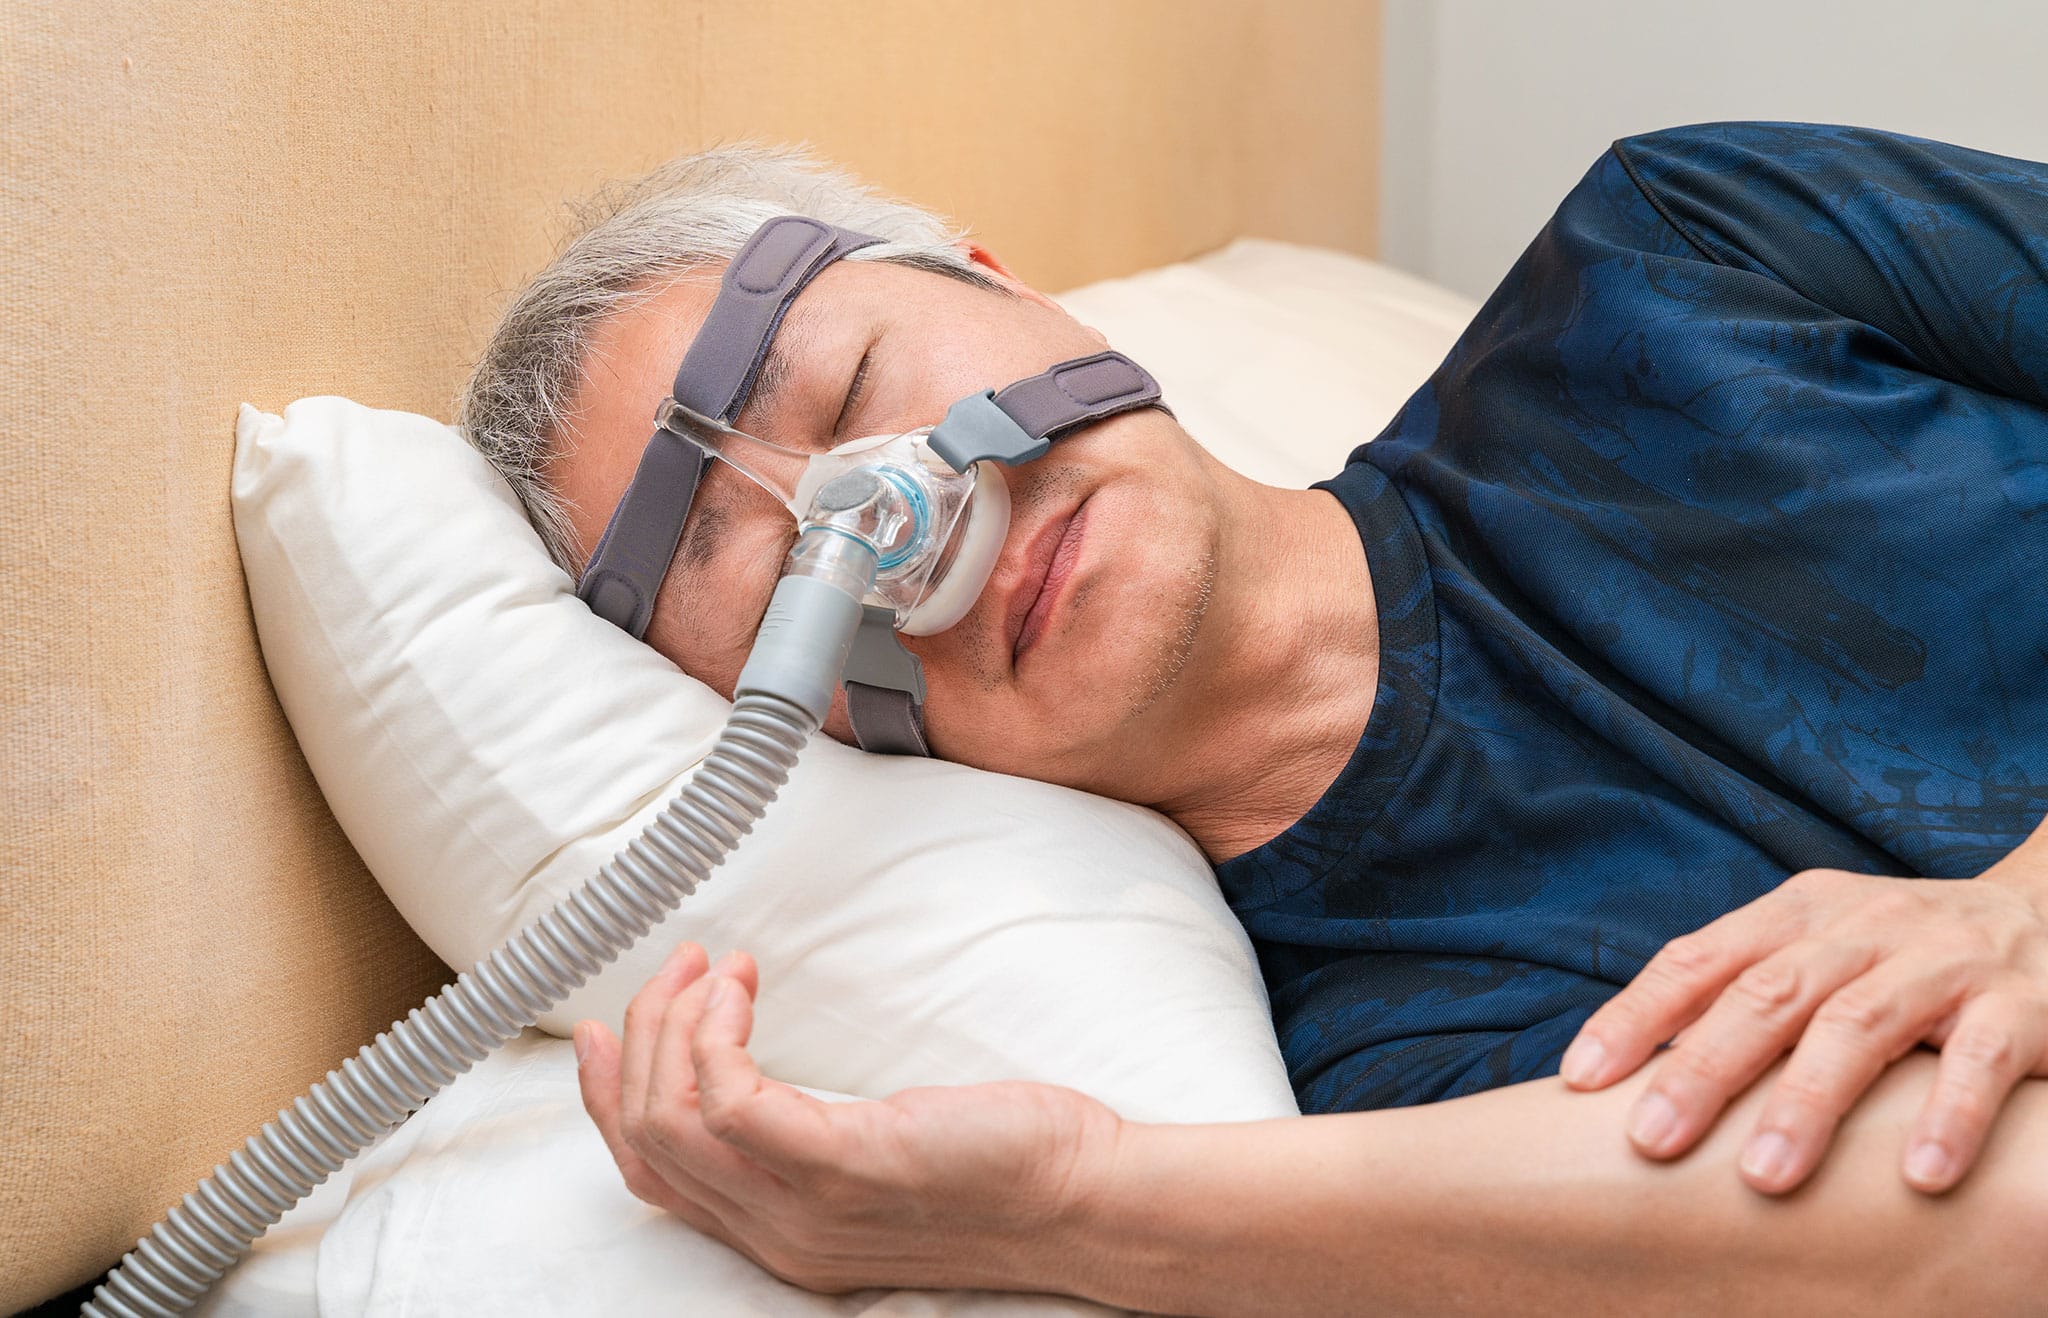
[{"x": 1281, "y": 682}]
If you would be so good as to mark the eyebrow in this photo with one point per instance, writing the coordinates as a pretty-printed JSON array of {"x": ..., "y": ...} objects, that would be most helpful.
[
  {"x": 777, "y": 368},
  {"x": 774, "y": 377},
  {"x": 707, "y": 519},
  {"x": 701, "y": 530}
]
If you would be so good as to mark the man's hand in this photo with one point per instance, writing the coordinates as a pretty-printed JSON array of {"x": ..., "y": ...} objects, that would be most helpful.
[
  {"x": 1849, "y": 972},
  {"x": 936, "y": 1187}
]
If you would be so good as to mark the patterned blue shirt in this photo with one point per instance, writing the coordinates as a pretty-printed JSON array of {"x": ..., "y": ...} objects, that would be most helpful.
[{"x": 1714, "y": 551}]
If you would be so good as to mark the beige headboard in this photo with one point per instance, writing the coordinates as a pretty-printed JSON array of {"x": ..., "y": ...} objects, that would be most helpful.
[{"x": 209, "y": 202}]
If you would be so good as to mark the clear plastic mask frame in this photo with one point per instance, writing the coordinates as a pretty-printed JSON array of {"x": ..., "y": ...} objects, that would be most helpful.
[{"x": 936, "y": 532}]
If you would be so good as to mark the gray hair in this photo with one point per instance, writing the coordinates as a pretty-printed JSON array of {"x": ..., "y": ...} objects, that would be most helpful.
[{"x": 629, "y": 242}]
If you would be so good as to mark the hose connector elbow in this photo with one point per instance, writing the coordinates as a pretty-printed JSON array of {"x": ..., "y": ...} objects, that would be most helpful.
[{"x": 800, "y": 651}]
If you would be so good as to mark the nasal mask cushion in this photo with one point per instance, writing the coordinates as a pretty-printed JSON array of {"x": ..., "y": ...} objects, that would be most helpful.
[{"x": 936, "y": 494}]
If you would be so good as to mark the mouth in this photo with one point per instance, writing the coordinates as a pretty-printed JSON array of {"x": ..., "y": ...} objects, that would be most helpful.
[{"x": 1048, "y": 563}]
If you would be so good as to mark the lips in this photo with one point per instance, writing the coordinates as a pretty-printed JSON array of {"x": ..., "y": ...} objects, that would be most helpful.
[{"x": 1048, "y": 561}]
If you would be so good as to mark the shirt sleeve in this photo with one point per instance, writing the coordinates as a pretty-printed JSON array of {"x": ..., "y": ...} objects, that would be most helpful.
[{"x": 1942, "y": 248}]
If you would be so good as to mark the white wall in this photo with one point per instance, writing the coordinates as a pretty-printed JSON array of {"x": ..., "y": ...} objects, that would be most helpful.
[{"x": 1496, "y": 107}]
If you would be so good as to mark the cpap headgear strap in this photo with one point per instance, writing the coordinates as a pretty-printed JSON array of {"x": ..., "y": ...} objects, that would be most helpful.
[{"x": 884, "y": 681}]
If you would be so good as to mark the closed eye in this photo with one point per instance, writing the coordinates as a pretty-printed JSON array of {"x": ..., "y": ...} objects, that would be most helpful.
[{"x": 853, "y": 394}]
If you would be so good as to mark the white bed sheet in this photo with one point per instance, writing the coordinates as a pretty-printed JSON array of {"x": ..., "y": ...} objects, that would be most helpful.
[{"x": 499, "y": 1197}]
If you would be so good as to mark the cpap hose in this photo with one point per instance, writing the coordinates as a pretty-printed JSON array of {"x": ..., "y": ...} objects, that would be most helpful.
[{"x": 784, "y": 692}]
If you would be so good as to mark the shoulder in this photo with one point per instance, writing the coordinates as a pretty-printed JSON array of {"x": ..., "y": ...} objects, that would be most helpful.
[
  {"x": 1741, "y": 191},
  {"x": 1714, "y": 190},
  {"x": 1736, "y": 145}
]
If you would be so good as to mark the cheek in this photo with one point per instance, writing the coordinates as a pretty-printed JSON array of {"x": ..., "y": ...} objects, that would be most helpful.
[
  {"x": 704, "y": 622},
  {"x": 700, "y": 646}
]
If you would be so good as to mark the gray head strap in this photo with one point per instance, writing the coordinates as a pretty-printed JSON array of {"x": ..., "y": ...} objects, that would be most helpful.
[
  {"x": 884, "y": 688},
  {"x": 1020, "y": 422},
  {"x": 625, "y": 571}
]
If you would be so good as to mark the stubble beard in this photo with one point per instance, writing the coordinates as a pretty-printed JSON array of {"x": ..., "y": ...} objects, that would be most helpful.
[{"x": 1201, "y": 578}]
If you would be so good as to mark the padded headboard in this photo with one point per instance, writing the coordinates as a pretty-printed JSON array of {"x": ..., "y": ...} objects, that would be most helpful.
[{"x": 210, "y": 202}]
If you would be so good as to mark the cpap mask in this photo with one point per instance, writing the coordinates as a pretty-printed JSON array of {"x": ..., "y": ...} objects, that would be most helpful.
[
  {"x": 934, "y": 531},
  {"x": 934, "y": 515},
  {"x": 896, "y": 533}
]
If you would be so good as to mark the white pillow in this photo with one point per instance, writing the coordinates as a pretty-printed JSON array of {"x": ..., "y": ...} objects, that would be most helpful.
[
  {"x": 1279, "y": 358},
  {"x": 487, "y": 742}
]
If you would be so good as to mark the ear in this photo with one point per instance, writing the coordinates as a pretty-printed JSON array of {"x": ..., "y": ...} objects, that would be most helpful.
[
  {"x": 992, "y": 264},
  {"x": 989, "y": 261},
  {"x": 983, "y": 257}
]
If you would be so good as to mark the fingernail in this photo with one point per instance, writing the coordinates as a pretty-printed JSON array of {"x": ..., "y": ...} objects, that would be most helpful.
[
  {"x": 1767, "y": 1158},
  {"x": 1651, "y": 1124},
  {"x": 1583, "y": 1061},
  {"x": 675, "y": 957},
  {"x": 719, "y": 984},
  {"x": 581, "y": 1036},
  {"x": 729, "y": 961},
  {"x": 1928, "y": 1164}
]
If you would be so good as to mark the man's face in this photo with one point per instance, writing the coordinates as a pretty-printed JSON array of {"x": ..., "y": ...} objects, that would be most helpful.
[{"x": 1094, "y": 674}]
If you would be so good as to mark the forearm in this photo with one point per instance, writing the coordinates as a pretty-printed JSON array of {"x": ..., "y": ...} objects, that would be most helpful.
[{"x": 1529, "y": 1200}]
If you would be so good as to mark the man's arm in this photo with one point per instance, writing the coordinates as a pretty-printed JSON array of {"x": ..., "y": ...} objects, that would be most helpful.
[{"x": 1525, "y": 1199}]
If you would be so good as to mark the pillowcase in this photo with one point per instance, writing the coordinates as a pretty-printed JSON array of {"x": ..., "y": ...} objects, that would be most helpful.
[
  {"x": 487, "y": 742},
  {"x": 1279, "y": 358}
]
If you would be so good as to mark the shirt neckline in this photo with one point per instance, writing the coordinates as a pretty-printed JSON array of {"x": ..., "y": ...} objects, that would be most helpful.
[{"x": 1403, "y": 704}]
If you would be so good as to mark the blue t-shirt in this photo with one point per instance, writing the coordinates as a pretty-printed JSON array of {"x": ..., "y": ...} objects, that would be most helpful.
[{"x": 1716, "y": 550}]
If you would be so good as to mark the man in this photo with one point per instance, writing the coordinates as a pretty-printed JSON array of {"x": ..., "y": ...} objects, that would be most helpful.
[{"x": 1694, "y": 612}]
